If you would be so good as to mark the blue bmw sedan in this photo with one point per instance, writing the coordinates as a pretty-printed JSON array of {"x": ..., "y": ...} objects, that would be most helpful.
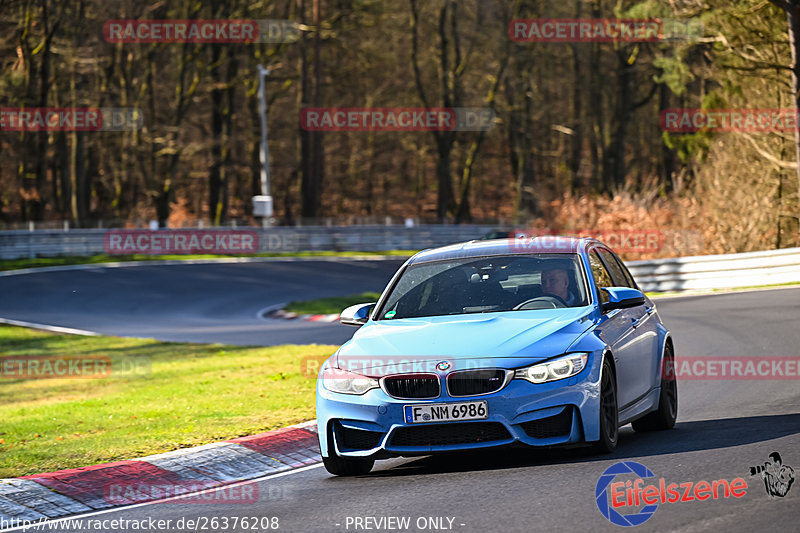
[{"x": 521, "y": 341}]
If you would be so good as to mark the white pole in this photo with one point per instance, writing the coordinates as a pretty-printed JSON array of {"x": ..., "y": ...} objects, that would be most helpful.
[{"x": 264, "y": 151}]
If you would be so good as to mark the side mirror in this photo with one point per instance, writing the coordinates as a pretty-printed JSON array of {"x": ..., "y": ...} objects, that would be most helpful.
[
  {"x": 622, "y": 298},
  {"x": 356, "y": 315}
]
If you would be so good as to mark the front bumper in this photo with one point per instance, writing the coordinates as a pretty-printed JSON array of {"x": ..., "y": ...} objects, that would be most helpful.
[{"x": 546, "y": 414}]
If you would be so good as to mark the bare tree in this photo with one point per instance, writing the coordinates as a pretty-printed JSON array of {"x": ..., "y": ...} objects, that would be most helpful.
[{"x": 792, "y": 9}]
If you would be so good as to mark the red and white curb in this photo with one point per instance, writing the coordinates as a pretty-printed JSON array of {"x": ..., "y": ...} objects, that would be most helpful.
[
  {"x": 280, "y": 313},
  {"x": 77, "y": 490}
]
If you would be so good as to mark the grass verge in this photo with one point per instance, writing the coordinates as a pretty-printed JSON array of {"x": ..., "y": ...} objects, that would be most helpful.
[
  {"x": 16, "y": 264},
  {"x": 158, "y": 397},
  {"x": 330, "y": 306}
]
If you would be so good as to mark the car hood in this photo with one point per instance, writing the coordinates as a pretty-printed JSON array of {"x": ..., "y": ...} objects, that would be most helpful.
[{"x": 505, "y": 339}]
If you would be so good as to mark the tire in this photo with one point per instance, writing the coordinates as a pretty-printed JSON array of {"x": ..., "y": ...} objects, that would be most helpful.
[
  {"x": 664, "y": 417},
  {"x": 609, "y": 412},
  {"x": 344, "y": 466}
]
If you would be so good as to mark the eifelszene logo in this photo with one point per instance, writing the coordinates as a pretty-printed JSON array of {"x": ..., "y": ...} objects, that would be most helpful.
[
  {"x": 778, "y": 477},
  {"x": 641, "y": 501},
  {"x": 606, "y": 504}
]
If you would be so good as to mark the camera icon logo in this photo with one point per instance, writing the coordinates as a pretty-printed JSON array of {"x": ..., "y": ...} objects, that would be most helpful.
[{"x": 777, "y": 477}]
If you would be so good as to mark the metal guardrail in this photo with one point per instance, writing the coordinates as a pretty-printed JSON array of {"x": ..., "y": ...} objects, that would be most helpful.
[
  {"x": 686, "y": 273},
  {"x": 718, "y": 271},
  {"x": 80, "y": 242}
]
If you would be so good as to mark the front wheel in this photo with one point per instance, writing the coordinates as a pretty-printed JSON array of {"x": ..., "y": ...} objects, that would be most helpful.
[
  {"x": 609, "y": 411},
  {"x": 666, "y": 414}
]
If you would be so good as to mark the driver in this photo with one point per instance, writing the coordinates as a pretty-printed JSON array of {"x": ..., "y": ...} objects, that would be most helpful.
[{"x": 555, "y": 282}]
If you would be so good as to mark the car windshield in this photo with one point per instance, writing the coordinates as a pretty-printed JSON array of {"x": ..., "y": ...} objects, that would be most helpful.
[{"x": 487, "y": 284}]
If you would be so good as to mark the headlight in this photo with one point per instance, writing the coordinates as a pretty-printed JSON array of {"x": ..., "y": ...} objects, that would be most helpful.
[
  {"x": 346, "y": 382},
  {"x": 560, "y": 368}
]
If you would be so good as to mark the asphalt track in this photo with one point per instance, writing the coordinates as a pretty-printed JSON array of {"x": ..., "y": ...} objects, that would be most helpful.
[
  {"x": 213, "y": 302},
  {"x": 724, "y": 427}
]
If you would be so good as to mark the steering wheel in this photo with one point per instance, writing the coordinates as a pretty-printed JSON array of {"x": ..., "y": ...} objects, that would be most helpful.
[{"x": 551, "y": 299}]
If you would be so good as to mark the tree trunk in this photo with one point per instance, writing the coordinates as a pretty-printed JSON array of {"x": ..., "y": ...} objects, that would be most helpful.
[
  {"x": 318, "y": 150},
  {"x": 597, "y": 136},
  {"x": 444, "y": 198},
  {"x": 214, "y": 172},
  {"x": 77, "y": 163},
  {"x": 614, "y": 154},
  {"x": 464, "y": 213},
  {"x": 793, "y": 18},
  {"x": 221, "y": 111},
  {"x": 308, "y": 188},
  {"x": 521, "y": 154},
  {"x": 42, "y": 138},
  {"x": 444, "y": 139},
  {"x": 62, "y": 171},
  {"x": 577, "y": 110},
  {"x": 528, "y": 198},
  {"x": 77, "y": 173},
  {"x": 667, "y": 153}
]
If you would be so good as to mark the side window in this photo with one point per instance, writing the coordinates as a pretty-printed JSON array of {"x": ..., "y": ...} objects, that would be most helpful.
[
  {"x": 617, "y": 273},
  {"x": 601, "y": 277},
  {"x": 628, "y": 276}
]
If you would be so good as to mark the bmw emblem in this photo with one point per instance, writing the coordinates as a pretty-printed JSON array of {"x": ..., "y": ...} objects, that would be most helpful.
[{"x": 442, "y": 365}]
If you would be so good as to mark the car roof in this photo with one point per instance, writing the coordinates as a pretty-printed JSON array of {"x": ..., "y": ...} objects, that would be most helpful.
[{"x": 507, "y": 246}]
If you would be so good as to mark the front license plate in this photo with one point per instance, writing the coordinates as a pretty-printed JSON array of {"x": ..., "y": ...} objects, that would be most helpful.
[{"x": 445, "y": 412}]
